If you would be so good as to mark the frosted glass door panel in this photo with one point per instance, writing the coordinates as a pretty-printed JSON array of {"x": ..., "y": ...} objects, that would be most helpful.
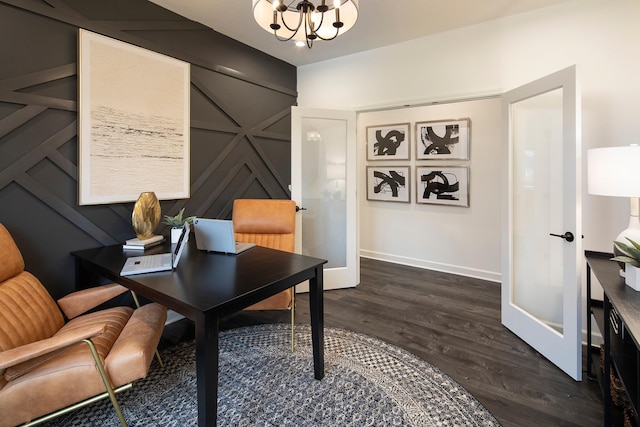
[
  {"x": 537, "y": 188},
  {"x": 323, "y": 182},
  {"x": 541, "y": 270},
  {"x": 324, "y": 222}
]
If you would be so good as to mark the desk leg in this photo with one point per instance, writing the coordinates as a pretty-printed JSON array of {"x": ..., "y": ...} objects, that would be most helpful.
[
  {"x": 207, "y": 331},
  {"x": 316, "y": 306},
  {"x": 85, "y": 276}
]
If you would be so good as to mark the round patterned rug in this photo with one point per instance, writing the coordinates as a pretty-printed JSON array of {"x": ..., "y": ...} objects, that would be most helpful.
[{"x": 262, "y": 383}]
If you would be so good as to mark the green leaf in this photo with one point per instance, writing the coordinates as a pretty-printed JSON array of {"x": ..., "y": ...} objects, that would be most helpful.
[
  {"x": 630, "y": 252},
  {"x": 178, "y": 221},
  {"x": 627, "y": 260},
  {"x": 622, "y": 246},
  {"x": 635, "y": 244},
  {"x": 633, "y": 253}
]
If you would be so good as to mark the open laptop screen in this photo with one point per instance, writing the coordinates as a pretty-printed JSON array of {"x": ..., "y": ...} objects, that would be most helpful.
[
  {"x": 182, "y": 242},
  {"x": 216, "y": 235}
]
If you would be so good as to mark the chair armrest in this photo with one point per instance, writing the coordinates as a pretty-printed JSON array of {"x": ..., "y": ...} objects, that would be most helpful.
[
  {"x": 82, "y": 301},
  {"x": 32, "y": 350}
]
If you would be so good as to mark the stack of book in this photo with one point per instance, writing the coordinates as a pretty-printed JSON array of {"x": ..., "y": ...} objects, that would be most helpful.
[{"x": 141, "y": 245}]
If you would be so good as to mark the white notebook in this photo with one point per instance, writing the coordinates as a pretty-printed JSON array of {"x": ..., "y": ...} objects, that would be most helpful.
[{"x": 156, "y": 262}]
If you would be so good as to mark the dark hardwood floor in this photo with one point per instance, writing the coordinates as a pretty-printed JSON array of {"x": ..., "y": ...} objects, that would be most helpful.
[{"x": 453, "y": 322}]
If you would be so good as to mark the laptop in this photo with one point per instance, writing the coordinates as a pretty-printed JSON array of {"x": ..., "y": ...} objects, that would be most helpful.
[
  {"x": 216, "y": 235},
  {"x": 156, "y": 262}
]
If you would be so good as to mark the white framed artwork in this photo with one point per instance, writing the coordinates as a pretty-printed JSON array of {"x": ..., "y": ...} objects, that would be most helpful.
[{"x": 134, "y": 122}]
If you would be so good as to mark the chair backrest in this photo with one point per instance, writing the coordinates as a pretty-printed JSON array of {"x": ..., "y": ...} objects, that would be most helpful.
[
  {"x": 12, "y": 262},
  {"x": 27, "y": 311},
  {"x": 265, "y": 222}
]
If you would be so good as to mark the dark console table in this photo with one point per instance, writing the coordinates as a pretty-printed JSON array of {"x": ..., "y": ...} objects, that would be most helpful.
[{"x": 618, "y": 319}]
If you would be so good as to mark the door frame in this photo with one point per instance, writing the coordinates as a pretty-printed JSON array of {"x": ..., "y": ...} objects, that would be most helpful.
[
  {"x": 564, "y": 350},
  {"x": 342, "y": 277}
]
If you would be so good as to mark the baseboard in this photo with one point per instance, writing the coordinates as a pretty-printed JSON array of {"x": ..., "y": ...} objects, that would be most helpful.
[
  {"x": 596, "y": 338},
  {"x": 430, "y": 265}
]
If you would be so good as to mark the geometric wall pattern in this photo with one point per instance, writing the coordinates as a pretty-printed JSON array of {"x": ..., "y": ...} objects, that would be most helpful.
[{"x": 240, "y": 125}]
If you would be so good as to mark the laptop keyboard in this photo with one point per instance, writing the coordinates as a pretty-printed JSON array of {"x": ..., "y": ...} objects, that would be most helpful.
[{"x": 153, "y": 261}]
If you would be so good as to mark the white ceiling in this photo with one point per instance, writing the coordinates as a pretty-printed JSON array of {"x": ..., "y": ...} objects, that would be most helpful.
[{"x": 380, "y": 23}]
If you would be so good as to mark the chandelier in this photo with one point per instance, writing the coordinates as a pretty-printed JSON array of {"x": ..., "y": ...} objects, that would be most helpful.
[{"x": 304, "y": 21}]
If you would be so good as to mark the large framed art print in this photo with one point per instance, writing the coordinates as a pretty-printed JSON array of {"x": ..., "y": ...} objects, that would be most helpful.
[{"x": 133, "y": 122}]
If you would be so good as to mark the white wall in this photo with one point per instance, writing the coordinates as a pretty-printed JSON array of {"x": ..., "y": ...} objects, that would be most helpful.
[
  {"x": 600, "y": 36},
  {"x": 438, "y": 237}
]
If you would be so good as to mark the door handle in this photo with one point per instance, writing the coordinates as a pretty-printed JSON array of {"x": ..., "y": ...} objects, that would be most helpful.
[
  {"x": 299, "y": 208},
  {"x": 568, "y": 236}
]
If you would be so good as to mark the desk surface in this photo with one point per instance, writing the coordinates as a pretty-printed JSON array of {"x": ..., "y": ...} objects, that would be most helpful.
[
  {"x": 206, "y": 286},
  {"x": 205, "y": 281}
]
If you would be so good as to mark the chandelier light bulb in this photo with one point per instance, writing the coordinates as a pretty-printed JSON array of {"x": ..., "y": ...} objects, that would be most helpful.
[
  {"x": 316, "y": 18},
  {"x": 278, "y": 6},
  {"x": 336, "y": 6}
]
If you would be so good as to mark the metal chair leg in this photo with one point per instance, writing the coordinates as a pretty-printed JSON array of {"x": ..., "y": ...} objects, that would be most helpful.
[
  {"x": 74, "y": 407},
  {"x": 159, "y": 359},
  {"x": 293, "y": 317},
  {"x": 135, "y": 299},
  {"x": 107, "y": 382}
]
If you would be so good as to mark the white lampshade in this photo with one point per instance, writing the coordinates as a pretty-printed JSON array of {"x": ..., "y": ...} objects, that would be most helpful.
[{"x": 614, "y": 171}]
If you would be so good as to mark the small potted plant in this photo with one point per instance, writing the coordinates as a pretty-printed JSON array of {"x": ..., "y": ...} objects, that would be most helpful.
[
  {"x": 631, "y": 259},
  {"x": 177, "y": 224}
]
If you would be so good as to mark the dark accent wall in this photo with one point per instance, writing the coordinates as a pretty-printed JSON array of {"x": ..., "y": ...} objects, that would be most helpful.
[{"x": 240, "y": 125}]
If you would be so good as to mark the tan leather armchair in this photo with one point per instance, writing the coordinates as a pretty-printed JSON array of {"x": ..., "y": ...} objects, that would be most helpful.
[
  {"x": 272, "y": 224},
  {"x": 49, "y": 366}
]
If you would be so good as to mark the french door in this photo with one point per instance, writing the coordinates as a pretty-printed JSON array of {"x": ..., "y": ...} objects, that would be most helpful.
[
  {"x": 542, "y": 251},
  {"x": 323, "y": 184}
]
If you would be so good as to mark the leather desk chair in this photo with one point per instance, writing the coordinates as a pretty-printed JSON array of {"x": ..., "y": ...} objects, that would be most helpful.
[
  {"x": 47, "y": 365},
  {"x": 269, "y": 223}
]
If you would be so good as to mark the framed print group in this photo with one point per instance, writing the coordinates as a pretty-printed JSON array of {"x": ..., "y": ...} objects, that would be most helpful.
[
  {"x": 388, "y": 142},
  {"x": 388, "y": 183},
  {"x": 438, "y": 184},
  {"x": 442, "y": 185},
  {"x": 442, "y": 140},
  {"x": 134, "y": 122}
]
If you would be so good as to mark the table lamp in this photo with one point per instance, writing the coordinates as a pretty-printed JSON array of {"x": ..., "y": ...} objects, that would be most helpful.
[{"x": 615, "y": 171}]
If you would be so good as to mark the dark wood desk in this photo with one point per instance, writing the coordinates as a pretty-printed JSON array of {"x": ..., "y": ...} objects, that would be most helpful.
[{"x": 206, "y": 287}]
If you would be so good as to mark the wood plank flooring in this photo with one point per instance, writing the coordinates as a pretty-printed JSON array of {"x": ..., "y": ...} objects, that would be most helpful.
[{"x": 453, "y": 322}]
